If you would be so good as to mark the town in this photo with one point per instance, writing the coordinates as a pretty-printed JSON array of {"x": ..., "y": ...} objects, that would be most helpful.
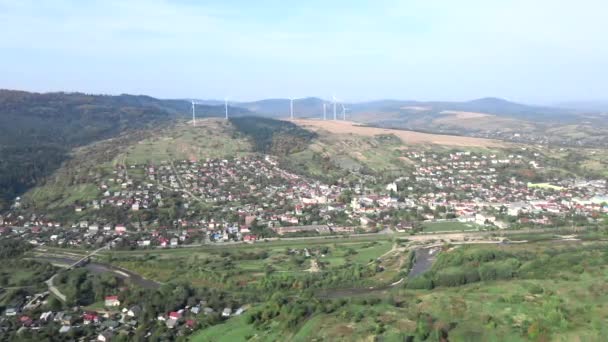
[
  {"x": 251, "y": 198},
  {"x": 120, "y": 314}
]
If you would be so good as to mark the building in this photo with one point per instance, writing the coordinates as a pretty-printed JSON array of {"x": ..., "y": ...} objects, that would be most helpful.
[
  {"x": 392, "y": 187},
  {"x": 321, "y": 229},
  {"x": 134, "y": 311},
  {"x": 111, "y": 301},
  {"x": 105, "y": 336}
]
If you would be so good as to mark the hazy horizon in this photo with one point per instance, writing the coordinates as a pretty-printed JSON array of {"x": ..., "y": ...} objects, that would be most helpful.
[{"x": 537, "y": 53}]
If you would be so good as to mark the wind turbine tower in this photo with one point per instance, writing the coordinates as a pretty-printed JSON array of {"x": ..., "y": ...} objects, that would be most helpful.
[
  {"x": 226, "y": 107},
  {"x": 343, "y": 112},
  {"x": 193, "y": 114},
  {"x": 334, "y": 99},
  {"x": 291, "y": 108},
  {"x": 324, "y": 111}
]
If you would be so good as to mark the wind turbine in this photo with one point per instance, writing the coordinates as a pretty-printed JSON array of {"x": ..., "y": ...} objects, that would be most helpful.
[
  {"x": 343, "y": 111},
  {"x": 334, "y": 99},
  {"x": 226, "y": 106},
  {"x": 324, "y": 110},
  {"x": 193, "y": 114},
  {"x": 291, "y": 108}
]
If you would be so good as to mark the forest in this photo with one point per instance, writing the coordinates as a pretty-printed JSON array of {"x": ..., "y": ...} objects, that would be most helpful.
[
  {"x": 271, "y": 136},
  {"x": 38, "y": 131}
]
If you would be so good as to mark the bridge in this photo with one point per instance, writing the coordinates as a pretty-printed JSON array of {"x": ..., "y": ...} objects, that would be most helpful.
[{"x": 54, "y": 290}]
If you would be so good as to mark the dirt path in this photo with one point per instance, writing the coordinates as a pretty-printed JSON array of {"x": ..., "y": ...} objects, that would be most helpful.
[{"x": 314, "y": 266}]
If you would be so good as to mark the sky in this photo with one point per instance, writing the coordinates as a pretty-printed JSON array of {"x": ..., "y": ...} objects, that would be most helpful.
[{"x": 533, "y": 51}]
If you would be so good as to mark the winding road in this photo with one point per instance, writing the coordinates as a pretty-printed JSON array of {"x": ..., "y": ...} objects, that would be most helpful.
[
  {"x": 98, "y": 267},
  {"x": 71, "y": 264}
]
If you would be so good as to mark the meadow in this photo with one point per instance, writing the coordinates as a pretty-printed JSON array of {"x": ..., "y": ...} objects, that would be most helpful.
[
  {"x": 447, "y": 226},
  {"x": 558, "y": 293},
  {"x": 244, "y": 265},
  {"x": 211, "y": 138}
]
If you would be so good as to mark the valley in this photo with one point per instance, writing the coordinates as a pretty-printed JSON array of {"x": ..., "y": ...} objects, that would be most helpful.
[
  {"x": 258, "y": 229},
  {"x": 303, "y": 171}
]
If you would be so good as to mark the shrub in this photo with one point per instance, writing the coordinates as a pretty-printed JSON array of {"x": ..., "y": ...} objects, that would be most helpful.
[
  {"x": 420, "y": 283},
  {"x": 450, "y": 277}
]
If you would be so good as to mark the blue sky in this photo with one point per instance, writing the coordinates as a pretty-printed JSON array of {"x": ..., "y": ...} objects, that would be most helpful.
[{"x": 537, "y": 51}]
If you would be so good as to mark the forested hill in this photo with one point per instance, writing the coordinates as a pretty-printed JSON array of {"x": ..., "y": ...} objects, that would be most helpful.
[
  {"x": 274, "y": 136},
  {"x": 37, "y": 131}
]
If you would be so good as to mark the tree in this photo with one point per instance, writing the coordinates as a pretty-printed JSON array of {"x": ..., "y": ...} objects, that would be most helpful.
[
  {"x": 54, "y": 304},
  {"x": 346, "y": 196}
]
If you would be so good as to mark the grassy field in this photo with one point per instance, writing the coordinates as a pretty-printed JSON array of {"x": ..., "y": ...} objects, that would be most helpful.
[
  {"x": 235, "y": 329},
  {"x": 559, "y": 294},
  {"x": 246, "y": 264},
  {"x": 544, "y": 186},
  {"x": 211, "y": 138},
  {"x": 58, "y": 195},
  {"x": 332, "y": 153},
  {"x": 24, "y": 273},
  {"x": 447, "y": 226}
]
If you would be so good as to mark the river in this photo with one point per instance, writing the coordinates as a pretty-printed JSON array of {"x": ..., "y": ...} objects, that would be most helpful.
[
  {"x": 424, "y": 260},
  {"x": 97, "y": 267}
]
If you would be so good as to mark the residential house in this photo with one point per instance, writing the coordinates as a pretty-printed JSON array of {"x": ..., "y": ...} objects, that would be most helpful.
[
  {"x": 134, "y": 311},
  {"x": 111, "y": 301},
  {"x": 90, "y": 318},
  {"x": 105, "y": 336}
]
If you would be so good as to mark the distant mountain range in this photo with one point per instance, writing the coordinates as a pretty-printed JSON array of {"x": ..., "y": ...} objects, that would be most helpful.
[
  {"x": 313, "y": 107},
  {"x": 590, "y": 106},
  {"x": 38, "y": 130}
]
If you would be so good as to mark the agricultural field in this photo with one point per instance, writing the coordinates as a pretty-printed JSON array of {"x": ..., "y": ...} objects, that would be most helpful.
[
  {"x": 472, "y": 121},
  {"x": 408, "y": 137}
]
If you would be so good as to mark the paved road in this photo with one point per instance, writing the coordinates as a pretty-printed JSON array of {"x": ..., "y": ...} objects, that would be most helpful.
[
  {"x": 97, "y": 267},
  {"x": 71, "y": 264},
  {"x": 54, "y": 290},
  {"x": 181, "y": 183},
  {"x": 422, "y": 237}
]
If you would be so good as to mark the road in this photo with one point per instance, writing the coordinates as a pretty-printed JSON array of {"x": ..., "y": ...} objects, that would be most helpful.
[
  {"x": 424, "y": 258},
  {"x": 98, "y": 267},
  {"x": 53, "y": 289},
  {"x": 181, "y": 183},
  {"x": 451, "y": 236}
]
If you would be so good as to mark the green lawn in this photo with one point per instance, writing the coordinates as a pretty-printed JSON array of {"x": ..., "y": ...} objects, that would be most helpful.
[
  {"x": 234, "y": 329},
  {"x": 447, "y": 226},
  {"x": 96, "y": 306},
  {"x": 367, "y": 254}
]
